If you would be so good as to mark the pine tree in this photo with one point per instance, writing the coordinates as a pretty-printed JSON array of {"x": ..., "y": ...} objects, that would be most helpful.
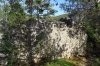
[{"x": 38, "y": 7}]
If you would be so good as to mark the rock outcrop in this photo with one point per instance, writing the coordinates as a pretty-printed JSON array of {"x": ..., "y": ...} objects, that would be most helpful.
[{"x": 53, "y": 39}]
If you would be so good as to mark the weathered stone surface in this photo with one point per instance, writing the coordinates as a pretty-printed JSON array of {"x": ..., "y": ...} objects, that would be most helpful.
[
  {"x": 69, "y": 41},
  {"x": 63, "y": 41}
]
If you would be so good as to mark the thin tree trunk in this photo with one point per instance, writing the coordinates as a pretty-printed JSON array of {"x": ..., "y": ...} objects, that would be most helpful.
[
  {"x": 29, "y": 46},
  {"x": 38, "y": 14}
]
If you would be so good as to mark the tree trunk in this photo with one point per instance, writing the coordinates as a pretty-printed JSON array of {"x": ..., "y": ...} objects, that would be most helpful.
[{"x": 29, "y": 45}]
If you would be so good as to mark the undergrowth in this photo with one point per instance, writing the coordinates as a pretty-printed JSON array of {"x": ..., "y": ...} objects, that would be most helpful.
[{"x": 58, "y": 62}]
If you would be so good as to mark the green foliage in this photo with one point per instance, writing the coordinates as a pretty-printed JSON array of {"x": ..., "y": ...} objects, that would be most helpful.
[
  {"x": 16, "y": 14},
  {"x": 9, "y": 48},
  {"x": 1, "y": 14},
  {"x": 92, "y": 26},
  {"x": 75, "y": 7},
  {"x": 90, "y": 30},
  {"x": 59, "y": 62},
  {"x": 40, "y": 8},
  {"x": 5, "y": 9},
  {"x": 15, "y": 18},
  {"x": 97, "y": 63},
  {"x": 99, "y": 5},
  {"x": 40, "y": 36}
]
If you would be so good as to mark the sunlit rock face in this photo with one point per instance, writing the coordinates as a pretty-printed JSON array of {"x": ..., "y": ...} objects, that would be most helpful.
[
  {"x": 59, "y": 41},
  {"x": 68, "y": 41}
]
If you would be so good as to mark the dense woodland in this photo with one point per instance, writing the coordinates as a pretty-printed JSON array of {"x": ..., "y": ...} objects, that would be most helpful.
[{"x": 86, "y": 12}]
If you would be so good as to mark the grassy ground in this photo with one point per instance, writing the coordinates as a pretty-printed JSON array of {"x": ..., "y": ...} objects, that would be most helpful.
[
  {"x": 67, "y": 62},
  {"x": 58, "y": 62}
]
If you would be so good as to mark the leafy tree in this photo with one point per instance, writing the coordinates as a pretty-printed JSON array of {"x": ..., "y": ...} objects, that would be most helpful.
[
  {"x": 29, "y": 6},
  {"x": 91, "y": 11},
  {"x": 1, "y": 14},
  {"x": 16, "y": 14},
  {"x": 5, "y": 9},
  {"x": 38, "y": 7},
  {"x": 8, "y": 46},
  {"x": 77, "y": 7},
  {"x": 93, "y": 30}
]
